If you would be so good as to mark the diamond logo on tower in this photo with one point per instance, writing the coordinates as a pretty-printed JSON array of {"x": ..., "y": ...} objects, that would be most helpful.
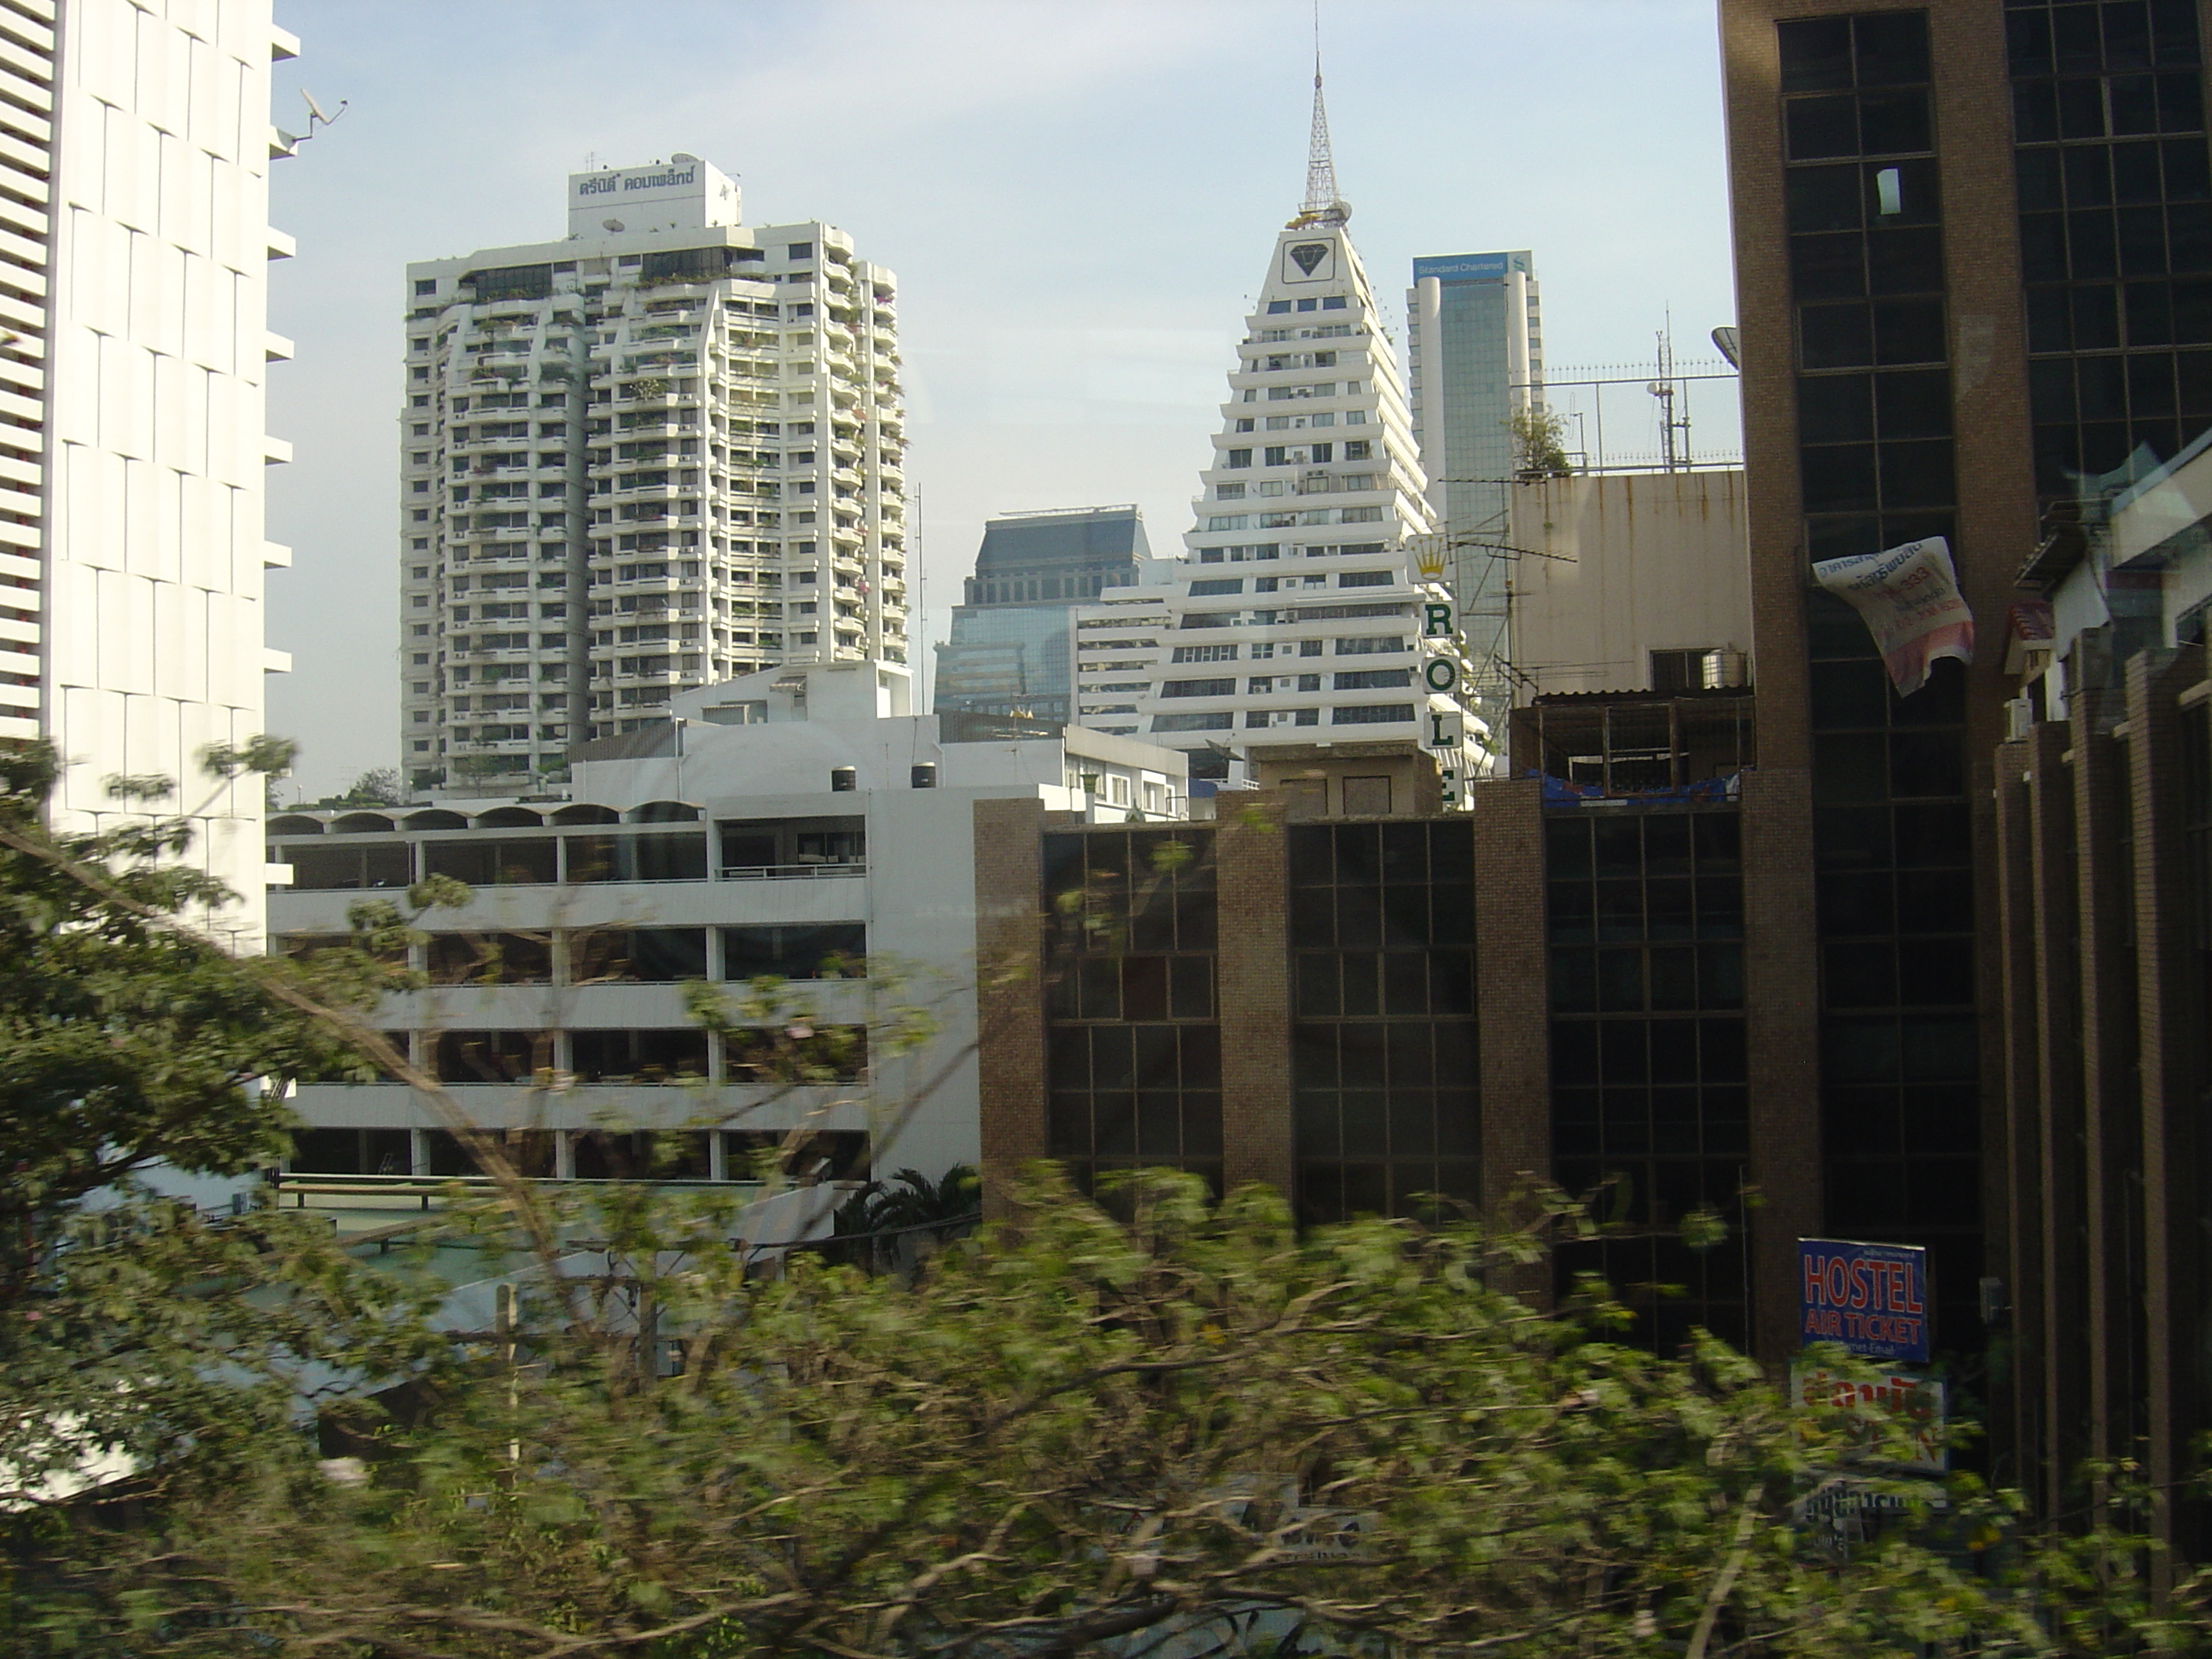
[{"x": 1310, "y": 262}]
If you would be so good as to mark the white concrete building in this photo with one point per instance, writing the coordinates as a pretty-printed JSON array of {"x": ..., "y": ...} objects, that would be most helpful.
[
  {"x": 1639, "y": 581},
  {"x": 788, "y": 819},
  {"x": 135, "y": 145},
  {"x": 662, "y": 452},
  {"x": 1290, "y": 630}
]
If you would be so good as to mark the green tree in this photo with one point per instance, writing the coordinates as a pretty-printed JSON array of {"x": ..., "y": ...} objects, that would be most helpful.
[
  {"x": 1184, "y": 1420},
  {"x": 128, "y": 1041},
  {"x": 1539, "y": 443},
  {"x": 377, "y": 786},
  {"x": 126, "y": 1037},
  {"x": 1192, "y": 1423}
]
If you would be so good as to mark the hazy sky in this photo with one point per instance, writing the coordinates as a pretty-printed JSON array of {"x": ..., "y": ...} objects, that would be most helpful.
[{"x": 1078, "y": 197}]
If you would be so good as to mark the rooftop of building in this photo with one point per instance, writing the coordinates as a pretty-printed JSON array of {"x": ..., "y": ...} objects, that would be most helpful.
[
  {"x": 1060, "y": 537},
  {"x": 786, "y": 732}
]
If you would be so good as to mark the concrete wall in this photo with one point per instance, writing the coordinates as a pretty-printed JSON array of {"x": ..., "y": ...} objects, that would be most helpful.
[{"x": 1618, "y": 567}]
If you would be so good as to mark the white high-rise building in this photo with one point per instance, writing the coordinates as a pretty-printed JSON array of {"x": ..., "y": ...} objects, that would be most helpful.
[
  {"x": 1293, "y": 632},
  {"x": 135, "y": 145},
  {"x": 661, "y": 452}
]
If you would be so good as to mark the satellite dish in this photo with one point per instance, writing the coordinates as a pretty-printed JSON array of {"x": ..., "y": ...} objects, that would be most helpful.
[
  {"x": 316, "y": 114},
  {"x": 1729, "y": 339},
  {"x": 614, "y": 225}
]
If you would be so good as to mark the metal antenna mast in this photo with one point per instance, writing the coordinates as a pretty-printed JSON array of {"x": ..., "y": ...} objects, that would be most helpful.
[
  {"x": 1673, "y": 431},
  {"x": 1322, "y": 204}
]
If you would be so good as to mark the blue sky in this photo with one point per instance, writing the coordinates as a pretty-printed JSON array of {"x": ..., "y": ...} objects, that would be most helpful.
[{"x": 1078, "y": 197}]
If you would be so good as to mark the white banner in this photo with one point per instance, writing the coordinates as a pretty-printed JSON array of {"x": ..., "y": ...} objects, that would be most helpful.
[{"x": 1910, "y": 598}]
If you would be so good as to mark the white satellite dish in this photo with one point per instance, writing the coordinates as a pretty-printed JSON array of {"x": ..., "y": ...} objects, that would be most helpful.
[
  {"x": 614, "y": 225},
  {"x": 317, "y": 115}
]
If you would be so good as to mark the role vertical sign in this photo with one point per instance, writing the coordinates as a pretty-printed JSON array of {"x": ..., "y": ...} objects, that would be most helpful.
[
  {"x": 1870, "y": 1299},
  {"x": 1443, "y": 733}
]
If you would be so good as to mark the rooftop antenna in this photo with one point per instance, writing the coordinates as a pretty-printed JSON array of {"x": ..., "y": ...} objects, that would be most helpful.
[
  {"x": 1673, "y": 432},
  {"x": 1323, "y": 206}
]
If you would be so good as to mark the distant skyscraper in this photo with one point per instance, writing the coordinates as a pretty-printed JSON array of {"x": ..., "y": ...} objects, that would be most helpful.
[
  {"x": 134, "y": 231},
  {"x": 1477, "y": 348},
  {"x": 659, "y": 453},
  {"x": 1290, "y": 630},
  {"x": 1008, "y": 653}
]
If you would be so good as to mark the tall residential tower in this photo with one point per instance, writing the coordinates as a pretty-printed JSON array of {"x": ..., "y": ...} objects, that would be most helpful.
[
  {"x": 661, "y": 452},
  {"x": 134, "y": 345}
]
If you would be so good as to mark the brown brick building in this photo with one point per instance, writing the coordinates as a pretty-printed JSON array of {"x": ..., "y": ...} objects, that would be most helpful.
[
  {"x": 1928, "y": 970},
  {"x": 1974, "y": 275}
]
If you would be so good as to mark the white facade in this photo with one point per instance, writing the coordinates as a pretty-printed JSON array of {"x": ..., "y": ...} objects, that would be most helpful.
[
  {"x": 799, "y": 800},
  {"x": 657, "y": 454},
  {"x": 135, "y": 144},
  {"x": 1293, "y": 619}
]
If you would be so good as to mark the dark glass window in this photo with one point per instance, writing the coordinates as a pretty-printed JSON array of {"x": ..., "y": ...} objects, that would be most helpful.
[
  {"x": 1893, "y": 878},
  {"x": 322, "y": 868},
  {"x": 491, "y": 1056},
  {"x": 638, "y": 1056},
  {"x": 1383, "y": 1053},
  {"x": 1132, "y": 1050},
  {"x": 676, "y": 856},
  {"x": 2112, "y": 176},
  {"x": 836, "y": 950},
  {"x": 489, "y": 959},
  {"x": 1645, "y": 920}
]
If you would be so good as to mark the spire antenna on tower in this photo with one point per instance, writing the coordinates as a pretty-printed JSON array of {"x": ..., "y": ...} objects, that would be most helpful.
[{"x": 1322, "y": 204}]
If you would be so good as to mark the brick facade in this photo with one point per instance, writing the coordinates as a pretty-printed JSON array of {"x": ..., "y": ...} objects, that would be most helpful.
[
  {"x": 1009, "y": 991},
  {"x": 1782, "y": 1043},
  {"x": 1515, "y": 1038},
  {"x": 1254, "y": 970}
]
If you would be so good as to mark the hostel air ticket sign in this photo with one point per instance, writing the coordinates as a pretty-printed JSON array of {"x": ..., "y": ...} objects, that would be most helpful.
[{"x": 1871, "y": 1299}]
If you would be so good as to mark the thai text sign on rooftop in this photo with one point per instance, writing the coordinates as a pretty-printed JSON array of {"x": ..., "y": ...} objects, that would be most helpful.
[{"x": 1871, "y": 1299}]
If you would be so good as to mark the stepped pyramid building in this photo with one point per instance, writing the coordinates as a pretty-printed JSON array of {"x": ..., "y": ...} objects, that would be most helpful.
[{"x": 1292, "y": 640}]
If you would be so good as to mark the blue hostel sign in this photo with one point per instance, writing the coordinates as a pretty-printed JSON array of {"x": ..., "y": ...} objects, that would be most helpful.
[{"x": 1871, "y": 1299}]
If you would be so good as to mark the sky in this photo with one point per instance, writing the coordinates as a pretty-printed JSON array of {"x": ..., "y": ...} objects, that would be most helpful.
[{"x": 1078, "y": 197}]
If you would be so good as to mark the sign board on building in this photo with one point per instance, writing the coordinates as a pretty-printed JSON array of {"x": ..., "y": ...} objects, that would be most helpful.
[
  {"x": 683, "y": 193},
  {"x": 1918, "y": 1399},
  {"x": 1469, "y": 267},
  {"x": 1871, "y": 1299}
]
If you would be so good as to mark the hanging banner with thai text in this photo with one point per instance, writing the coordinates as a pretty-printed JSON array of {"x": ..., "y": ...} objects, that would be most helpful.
[
  {"x": 1909, "y": 597},
  {"x": 1871, "y": 1299}
]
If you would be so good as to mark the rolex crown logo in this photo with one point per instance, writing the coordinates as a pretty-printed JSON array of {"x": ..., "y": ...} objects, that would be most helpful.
[{"x": 1429, "y": 556}]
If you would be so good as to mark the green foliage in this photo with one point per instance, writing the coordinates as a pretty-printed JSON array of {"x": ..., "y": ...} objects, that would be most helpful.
[
  {"x": 126, "y": 1039},
  {"x": 1539, "y": 443},
  {"x": 131, "y": 1334},
  {"x": 1181, "y": 1423},
  {"x": 1061, "y": 1434},
  {"x": 479, "y": 767},
  {"x": 378, "y": 787}
]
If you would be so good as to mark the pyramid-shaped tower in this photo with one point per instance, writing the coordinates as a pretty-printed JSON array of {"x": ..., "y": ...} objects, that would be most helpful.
[{"x": 1296, "y": 635}]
